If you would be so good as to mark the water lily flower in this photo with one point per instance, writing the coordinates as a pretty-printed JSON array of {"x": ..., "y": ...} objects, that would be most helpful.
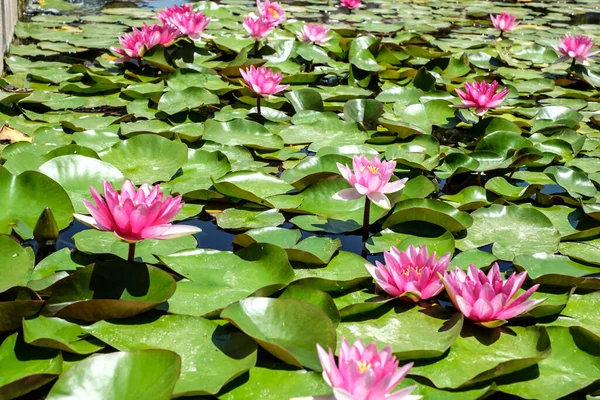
[
  {"x": 412, "y": 275},
  {"x": 504, "y": 22},
  {"x": 350, "y": 4},
  {"x": 575, "y": 47},
  {"x": 481, "y": 95},
  {"x": 271, "y": 11},
  {"x": 263, "y": 81},
  {"x": 364, "y": 373},
  {"x": 136, "y": 43},
  {"x": 370, "y": 178},
  {"x": 258, "y": 27},
  {"x": 185, "y": 20},
  {"x": 315, "y": 33},
  {"x": 488, "y": 300},
  {"x": 135, "y": 215}
]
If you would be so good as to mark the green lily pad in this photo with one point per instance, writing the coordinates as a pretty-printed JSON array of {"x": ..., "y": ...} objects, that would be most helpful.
[
  {"x": 211, "y": 355},
  {"x": 288, "y": 328},
  {"x": 146, "y": 158},
  {"x": 109, "y": 289},
  {"x": 513, "y": 230},
  {"x": 77, "y": 173},
  {"x": 479, "y": 354},
  {"x": 413, "y": 332},
  {"x": 219, "y": 278},
  {"x": 60, "y": 334},
  {"x": 149, "y": 374},
  {"x": 235, "y": 218},
  {"x": 101, "y": 242},
  {"x": 24, "y": 368}
]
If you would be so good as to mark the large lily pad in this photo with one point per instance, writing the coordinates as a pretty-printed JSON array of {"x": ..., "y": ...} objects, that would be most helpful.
[{"x": 211, "y": 355}]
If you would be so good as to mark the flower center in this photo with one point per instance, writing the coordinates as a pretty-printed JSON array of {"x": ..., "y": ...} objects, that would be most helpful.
[
  {"x": 418, "y": 270},
  {"x": 274, "y": 13},
  {"x": 363, "y": 366},
  {"x": 373, "y": 169}
]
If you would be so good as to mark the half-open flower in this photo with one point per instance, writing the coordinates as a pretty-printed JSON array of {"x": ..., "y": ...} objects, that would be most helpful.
[
  {"x": 262, "y": 80},
  {"x": 135, "y": 215},
  {"x": 369, "y": 178},
  {"x": 271, "y": 10},
  {"x": 351, "y": 4},
  {"x": 136, "y": 43},
  {"x": 481, "y": 96},
  {"x": 488, "y": 299},
  {"x": 575, "y": 47},
  {"x": 315, "y": 33},
  {"x": 363, "y": 373},
  {"x": 412, "y": 275},
  {"x": 185, "y": 20},
  {"x": 504, "y": 22},
  {"x": 258, "y": 27}
]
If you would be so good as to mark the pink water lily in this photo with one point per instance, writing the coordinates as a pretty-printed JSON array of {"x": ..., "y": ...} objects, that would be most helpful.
[
  {"x": 135, "y": 215},
  {"x": 185, "y": 20},
  {"x": 412, "y": 275},
  {"x": 364, "y": 373},
  {"x": 263, "y": 81},
  {"x": 488, "y": 299},
  {"x": 481, "y": 95},
  {"x": 350, "y": 4},
  {"x": 271, "y": 10},
  {"x": 258, "y": 27},
  {"x": 315, "y": 33},
  {"x": 370, "y": 178},
  {"x": 136, "y": 43},
  {"x": 575, "y": 47},
  {"x": 504, "y": 22}
]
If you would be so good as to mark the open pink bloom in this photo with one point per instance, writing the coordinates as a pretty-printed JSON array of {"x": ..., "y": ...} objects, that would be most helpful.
[
  {"x": 350, "y": 3},
  {"x": 185, "y": 20},
  {"x": 411, "y": 274},
  {"x": 314, "y": 33},
  {"x": 263, "y": 81},
  {"x": 363, "y": 373},
  {"x": 504, "y": 22},
  {"x": 258, "y": 27},
  {"x": 135, "y": 215},
  {"x": 271, "y": 11},
  {"x": 137, "y": 42},
  {"x": 488, "y": 300},
  {"x": 576, "y": 47},
  {"x": 370, "y": 178},
  {"x": 481, "y": 96}
]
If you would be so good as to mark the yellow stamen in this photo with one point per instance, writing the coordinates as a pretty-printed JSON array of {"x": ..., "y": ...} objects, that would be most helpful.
[
  {"x": 274, "y": 13},
  {"x": 373, "y": 169},
  {"x": 363, "y": 366},
  {"x": 418, "y": 270}
]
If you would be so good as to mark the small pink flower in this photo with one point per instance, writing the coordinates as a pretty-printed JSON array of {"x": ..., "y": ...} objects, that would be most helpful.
[
  {"x": 411, "y": 274},
  {"x": 135, "y": 215},
  {"x": 258, "y": 27},
  {"x": 371, "y": 179},
  {"x": 137, "y": 42},
  {"x": 271, "y": 11},
  {"x": 576, "y": 47},
  {"x": 185, "y": 20},
  {"x": 481, "y": 96},
  {"x": 314, "y": 33},
  {"x": 504, "y": 22},
  {"x": 363, "y": 373},
  {"x": 263, "y": 81},
  {"x": 488, "y": 300},
  {"x": 352, "y": 4}
]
